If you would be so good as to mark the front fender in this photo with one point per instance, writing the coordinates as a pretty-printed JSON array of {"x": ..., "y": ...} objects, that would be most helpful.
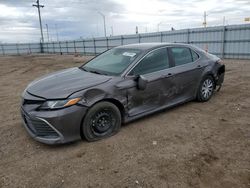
[{"x": 94, "y": 95}]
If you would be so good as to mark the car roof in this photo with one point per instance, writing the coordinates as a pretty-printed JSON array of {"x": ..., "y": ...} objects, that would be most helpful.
[{"x": 150, "y": 46}]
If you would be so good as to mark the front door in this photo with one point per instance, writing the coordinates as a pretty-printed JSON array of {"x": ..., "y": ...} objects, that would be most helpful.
[{"x": 153, "y": 67}]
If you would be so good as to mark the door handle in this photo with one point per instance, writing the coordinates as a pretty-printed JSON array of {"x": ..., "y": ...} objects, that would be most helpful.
[
  {"x": 199, "y": 66},
  {"x": 166, "y": 75}
]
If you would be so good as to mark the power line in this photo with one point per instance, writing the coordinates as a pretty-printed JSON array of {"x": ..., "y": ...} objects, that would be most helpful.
[{"x": 37, "y": 5}]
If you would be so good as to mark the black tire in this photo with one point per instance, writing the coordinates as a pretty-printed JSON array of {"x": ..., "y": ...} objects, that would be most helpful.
[
  {"x": 101, "y": 121},
  {"x": 205, "y": 93}
]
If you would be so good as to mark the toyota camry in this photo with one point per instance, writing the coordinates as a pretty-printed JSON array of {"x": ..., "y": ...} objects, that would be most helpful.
[{"x": 120, "y": 85}]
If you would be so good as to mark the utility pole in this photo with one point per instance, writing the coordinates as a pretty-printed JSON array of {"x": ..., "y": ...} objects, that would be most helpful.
[
  {"x": 205, "y": 19},
  {"x": 47, "y": 27},
  {"x": 224, "y": 20},
  {"x": 104, "y": 22},
  {"x": 37, "y": 5}
]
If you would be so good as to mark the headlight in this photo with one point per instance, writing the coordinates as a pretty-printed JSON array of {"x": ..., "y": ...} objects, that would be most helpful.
[{"x": 56, "y": 104}]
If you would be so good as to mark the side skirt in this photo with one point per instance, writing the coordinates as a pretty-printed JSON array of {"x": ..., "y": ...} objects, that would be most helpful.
[{"x": 129, "y": 119}]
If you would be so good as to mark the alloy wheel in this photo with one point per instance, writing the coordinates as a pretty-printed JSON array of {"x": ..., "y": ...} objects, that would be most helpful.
[{"x": 207, "y": 88}]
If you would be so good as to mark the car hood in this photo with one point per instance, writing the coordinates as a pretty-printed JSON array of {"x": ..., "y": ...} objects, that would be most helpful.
[{"x": 63, "y": 83}]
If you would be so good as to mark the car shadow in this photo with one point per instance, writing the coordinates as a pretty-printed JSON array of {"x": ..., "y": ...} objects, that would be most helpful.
[{"x": 78, "y": 143}]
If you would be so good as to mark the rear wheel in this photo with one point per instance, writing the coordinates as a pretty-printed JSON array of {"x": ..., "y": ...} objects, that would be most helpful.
[
  {"x": 206, "y": 89},
  {"x": 101, "y": 121}
]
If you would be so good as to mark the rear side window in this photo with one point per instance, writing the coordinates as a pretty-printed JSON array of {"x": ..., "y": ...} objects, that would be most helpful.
[
  {"x": 155, "y": 61},
  {"x": 181, "y": 55}
]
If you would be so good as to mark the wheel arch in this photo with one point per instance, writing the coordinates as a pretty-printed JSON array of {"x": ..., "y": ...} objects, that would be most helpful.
[
  {"x": 205, "y": 74},
  {"x": 213, "y": 76},
  {"x": 117, "y": 103},
  {"x": 209, "y": 73}
]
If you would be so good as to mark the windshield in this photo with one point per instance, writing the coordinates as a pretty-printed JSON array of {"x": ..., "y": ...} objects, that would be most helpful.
[{"x": 112, "y": 62}]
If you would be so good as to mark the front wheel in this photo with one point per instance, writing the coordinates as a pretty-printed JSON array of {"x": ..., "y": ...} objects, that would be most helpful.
[
  {"x": 206, "y": 89},
  {"x": 101, "y": 121}
]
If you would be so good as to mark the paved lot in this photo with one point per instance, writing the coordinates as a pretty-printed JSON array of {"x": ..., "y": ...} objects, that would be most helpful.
[{"x": 193, "y": 145}]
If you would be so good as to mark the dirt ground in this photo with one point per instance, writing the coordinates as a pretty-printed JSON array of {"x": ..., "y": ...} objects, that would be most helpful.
[{"x": 193, "y": 145}]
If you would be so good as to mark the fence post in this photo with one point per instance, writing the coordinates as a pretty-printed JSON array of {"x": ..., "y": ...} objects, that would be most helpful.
[
  {"x": 188, "y": 39},
  {"x": 48, "y": 47},
  {"x": 121, "y": 40},
  {"x": 161, "y": 36},
  {"x": 107, "y": 41},
  {"x": 29, "y": 48},
  {"x": 2, "y": 49},
  {"x": 41, "y": 47},
  {"x": 17, "y": 49},
  {"x": 139, "y": 37},
  {"x": 67, "y": 47},
  {"x": 60, "y": 47},
  {"x": 84, "y": 50},
  {"x": 53, "y": 44},
  {"x": 223, "y": 42},
  {"x": 94, "y": 46},
  {"x": 75, "y": 46}
]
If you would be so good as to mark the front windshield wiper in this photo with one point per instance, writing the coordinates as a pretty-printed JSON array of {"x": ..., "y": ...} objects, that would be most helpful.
[
  {"x": 92, "y": 71},
  {"x": 96, "y": 72}
]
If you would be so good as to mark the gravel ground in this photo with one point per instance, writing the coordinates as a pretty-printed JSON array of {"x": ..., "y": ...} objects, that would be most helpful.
[{"x": 193, "y": 145}]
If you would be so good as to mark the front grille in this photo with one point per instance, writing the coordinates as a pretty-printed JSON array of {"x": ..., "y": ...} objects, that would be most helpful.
[
  {"x": 26, "y": 101},
  {"x": 39, "y": 127}
]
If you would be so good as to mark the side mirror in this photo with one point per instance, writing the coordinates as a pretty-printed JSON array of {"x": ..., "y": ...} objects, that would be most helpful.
[{"x": 141, "y": 82}]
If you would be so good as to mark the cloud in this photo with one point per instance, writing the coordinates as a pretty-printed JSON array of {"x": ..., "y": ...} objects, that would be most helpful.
[
  {"x": 17, "y": 3},
  {"x": 80, "y": 18}
]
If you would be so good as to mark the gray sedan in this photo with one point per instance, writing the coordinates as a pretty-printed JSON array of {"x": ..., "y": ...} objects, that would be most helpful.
[{"x": 118, "y": 86}]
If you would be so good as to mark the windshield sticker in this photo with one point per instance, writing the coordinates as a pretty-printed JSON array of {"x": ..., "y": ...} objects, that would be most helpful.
[{"x": 130, "y": 54}]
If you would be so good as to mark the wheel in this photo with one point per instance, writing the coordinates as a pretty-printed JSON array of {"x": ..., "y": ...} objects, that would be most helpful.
[
  {"x": 101, "y": 121},
  {"x": 206, "y": 89}
]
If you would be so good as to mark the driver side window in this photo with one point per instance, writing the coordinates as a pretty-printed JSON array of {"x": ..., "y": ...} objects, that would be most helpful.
[{"x": 155, "y": 61}]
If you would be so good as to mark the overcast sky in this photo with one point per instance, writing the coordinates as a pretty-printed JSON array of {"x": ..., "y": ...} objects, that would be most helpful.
[{"x": 80, "y": 18}]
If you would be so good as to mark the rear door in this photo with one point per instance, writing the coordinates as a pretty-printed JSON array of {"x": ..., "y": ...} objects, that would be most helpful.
[{"x": 186, "y": 73}]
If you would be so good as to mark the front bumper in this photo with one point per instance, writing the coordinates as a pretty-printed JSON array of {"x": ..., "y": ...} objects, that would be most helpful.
[{"x": 54, "y": 127}]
